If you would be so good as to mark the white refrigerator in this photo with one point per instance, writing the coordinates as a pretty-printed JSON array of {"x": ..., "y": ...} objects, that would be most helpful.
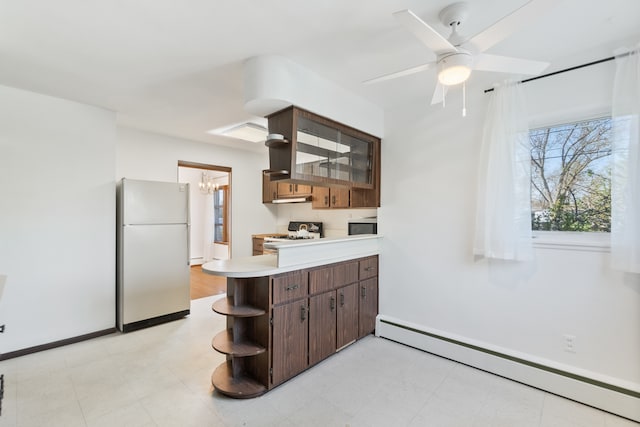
[{"x": 153, "y": 269}]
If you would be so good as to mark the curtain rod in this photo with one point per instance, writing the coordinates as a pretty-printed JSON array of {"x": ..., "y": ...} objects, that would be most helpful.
[{"x": 599, "y": 61}]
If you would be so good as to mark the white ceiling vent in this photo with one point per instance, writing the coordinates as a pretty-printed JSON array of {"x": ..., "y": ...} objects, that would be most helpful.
[{"x": 246, "y": 131}]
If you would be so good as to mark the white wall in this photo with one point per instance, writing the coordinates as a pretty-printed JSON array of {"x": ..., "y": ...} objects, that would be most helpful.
[
  {"x": 57, "y": 228},
  {"x": 145, "y": 155},
  {"x": 429, "y": 277}
]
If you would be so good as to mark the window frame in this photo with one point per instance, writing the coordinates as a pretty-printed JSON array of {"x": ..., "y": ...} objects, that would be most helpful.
[
  {"x": 225, "y": 215},
  {"x": 591, "y": 241},
  {"x": 594, "y": 241}
]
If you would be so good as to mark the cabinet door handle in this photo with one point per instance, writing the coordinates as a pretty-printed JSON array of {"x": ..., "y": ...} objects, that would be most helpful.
[
  {"x": 296, "y": 188},
  {"x": 290, "y": 188},
  {"x": 291, "y": 287},
  {"x": 303, "y": 312},
  {"x": 332, "y": 303},
  {"x": 333, "y": 200},
  {"x": 326, "y": 200},
  {"x": 363, "y": 291},
  {"x": 368, "y": 268},
  {"x": 275, "y": 195},
  {"x": 341, "y": 299}
]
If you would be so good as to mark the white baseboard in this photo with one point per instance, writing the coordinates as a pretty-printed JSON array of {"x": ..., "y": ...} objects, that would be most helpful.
[{"x": 590, "y": 391}]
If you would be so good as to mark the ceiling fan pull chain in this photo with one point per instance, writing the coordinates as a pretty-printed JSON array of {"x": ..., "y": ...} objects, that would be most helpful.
[
  {"x": 464, "y": 99},
  {"x": 444, "y": 96}
]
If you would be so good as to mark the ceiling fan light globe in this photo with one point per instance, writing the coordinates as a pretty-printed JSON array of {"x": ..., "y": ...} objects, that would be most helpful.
[
  {"x": 454, "y": 69},
  {"x": 454, "y": 75}
]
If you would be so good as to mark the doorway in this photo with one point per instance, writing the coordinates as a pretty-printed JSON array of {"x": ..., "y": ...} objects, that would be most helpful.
[{"x": 210, "y": 213}]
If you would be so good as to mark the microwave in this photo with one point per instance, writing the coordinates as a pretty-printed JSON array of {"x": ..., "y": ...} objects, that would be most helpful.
[{"x": 362, "y": 226}]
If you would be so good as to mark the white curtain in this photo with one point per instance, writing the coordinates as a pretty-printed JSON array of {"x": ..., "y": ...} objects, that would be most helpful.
[
  {"x": 625, "y": 173},
  {"x": 503, "y": 210}
]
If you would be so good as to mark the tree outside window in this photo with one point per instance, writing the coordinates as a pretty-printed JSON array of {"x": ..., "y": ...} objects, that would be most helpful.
[
  {"x": 571, "y": 176},
  {"x": 220, "y": 214}
]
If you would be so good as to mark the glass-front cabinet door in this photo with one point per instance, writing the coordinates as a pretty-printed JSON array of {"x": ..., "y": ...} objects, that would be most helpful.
[
  {"x": 325, "y": 152},
  {"x": 306, "y": 148}
]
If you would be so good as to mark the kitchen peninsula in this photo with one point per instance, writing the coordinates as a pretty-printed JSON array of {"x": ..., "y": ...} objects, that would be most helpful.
[{"x": 290, "y": 310}]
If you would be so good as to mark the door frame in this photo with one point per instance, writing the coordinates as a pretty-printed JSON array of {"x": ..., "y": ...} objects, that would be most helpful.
[{"x": 204, "y": 166}]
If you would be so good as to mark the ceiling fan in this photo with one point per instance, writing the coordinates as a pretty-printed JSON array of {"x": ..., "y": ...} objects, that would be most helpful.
[{"x": 457, "y": 56}]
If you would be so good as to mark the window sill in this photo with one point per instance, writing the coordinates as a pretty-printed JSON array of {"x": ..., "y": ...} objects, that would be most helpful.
[{"x": 570, "y": 240}]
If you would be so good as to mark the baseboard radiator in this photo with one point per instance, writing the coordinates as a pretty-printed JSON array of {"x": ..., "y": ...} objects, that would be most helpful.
[{"x": 618, "y": 399}]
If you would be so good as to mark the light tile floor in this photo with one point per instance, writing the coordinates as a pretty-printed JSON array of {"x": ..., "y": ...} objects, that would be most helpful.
[{"x": 160, "y": 376}]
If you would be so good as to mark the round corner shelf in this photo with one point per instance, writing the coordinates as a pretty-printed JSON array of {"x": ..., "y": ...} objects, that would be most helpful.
[
  {"x": 223, "y": 343},
  {"x": 225, "y": 307},
  {"x": 273, "y": 141},
  {"x": 242, "y": 387}
]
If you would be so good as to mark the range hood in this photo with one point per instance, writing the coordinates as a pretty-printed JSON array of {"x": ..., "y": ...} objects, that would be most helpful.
[{"x": 292, "y": 200}]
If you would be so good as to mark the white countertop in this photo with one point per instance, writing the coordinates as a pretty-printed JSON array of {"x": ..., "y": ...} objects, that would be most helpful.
[
  {"x": 296, "y": 255},
  {"x": 312, "y": 242}
]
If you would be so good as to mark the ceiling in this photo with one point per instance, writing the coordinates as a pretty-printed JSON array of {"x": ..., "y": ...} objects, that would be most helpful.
[{"x": 175, "y": 67}]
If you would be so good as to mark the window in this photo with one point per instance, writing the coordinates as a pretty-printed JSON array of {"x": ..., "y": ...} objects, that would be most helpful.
[
  {"x": 220, "y": 215},
  {"x": 571, "y": 176}
]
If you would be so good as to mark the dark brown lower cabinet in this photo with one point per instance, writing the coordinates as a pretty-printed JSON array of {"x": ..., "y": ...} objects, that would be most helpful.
[
  {"x": 278, "y": 326},
  {"x": 322, "y": 326},
  {"x": 347, "y": 315},
  {"x": 290, "y": 340},
  {"x": 368, "y": 306}
]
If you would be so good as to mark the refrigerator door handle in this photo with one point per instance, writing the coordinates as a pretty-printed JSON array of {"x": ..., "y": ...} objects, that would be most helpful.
[
  {"x": 188, "y": 244},
  {"x": 188, "y": 194}
]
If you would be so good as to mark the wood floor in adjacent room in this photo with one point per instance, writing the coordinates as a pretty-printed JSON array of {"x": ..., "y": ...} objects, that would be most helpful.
[{"x": 205, "y": 285}]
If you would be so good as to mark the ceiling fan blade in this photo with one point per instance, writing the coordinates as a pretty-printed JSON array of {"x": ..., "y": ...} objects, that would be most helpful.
[
  {"x": 526, "y": 14},
  {"x": 427, "y": 35},
  {"x": 402, "y": 73},
  {"x": 439, "y": 93},
  {"x": 507, "y": 64}
]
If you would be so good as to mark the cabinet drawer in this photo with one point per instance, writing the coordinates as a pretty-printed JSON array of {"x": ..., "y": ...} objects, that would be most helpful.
[
  {"x": 368, "y": 267},
  {"x": 345, "y": 273},
  {"x": 321, "y": 280},
  {"x": 289, "y": 287}
]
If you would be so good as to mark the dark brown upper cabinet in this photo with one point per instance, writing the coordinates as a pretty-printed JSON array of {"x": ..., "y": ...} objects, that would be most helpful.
[
  {"x": 272, "y": 190},
  {"x": 314, "y": 150},
  {"x": 325, "y": 197}
]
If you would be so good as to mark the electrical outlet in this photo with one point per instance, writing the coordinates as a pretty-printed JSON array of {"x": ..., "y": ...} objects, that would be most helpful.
[{"x": 569, "y": 343}]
